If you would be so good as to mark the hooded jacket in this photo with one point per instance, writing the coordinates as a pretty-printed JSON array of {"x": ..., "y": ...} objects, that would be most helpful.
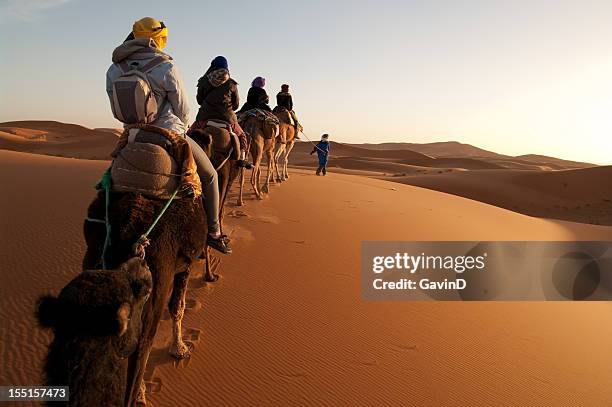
[
  {"x": 257, "y": 98},
  {"x": 284, "y": 99},
  {"x": 165, "y": 80},
  {"x": 217, "y": 96}
]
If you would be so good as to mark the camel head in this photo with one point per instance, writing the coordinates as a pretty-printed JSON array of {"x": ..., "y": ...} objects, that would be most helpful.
[{"x": 100, "y": 303}]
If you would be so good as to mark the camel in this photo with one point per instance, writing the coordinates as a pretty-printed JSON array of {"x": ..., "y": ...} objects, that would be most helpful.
[
  {"x": 96, "y": 321},
  {"x": 285, "y": 142},
  {"x": 176, "y": 243},
  {"x": 262, "y": 135}
]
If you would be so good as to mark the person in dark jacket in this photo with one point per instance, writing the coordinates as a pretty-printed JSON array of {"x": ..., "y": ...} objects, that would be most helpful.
[
  {"x": 284, "y": 99},
  {"x": 218, "y": 99},
  {"x": 322, "y": 149},
  {"x": 257, "y": 98},
  {"x": 217, "y": 93}
]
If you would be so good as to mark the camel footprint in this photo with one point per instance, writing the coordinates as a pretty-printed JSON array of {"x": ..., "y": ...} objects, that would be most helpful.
[
  {"x": 191, "y": 335},
  {"x": 192, "y": 304},
  {"x": 154, "y": 385}
]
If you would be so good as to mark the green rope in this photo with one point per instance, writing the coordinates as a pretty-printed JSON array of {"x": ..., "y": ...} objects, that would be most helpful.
[
  {"x": 143, "y": 241},
  {"x": 161, "y": 213},
  {"x": 106, "y": 183},
  {"x": 138, "y": 248}
]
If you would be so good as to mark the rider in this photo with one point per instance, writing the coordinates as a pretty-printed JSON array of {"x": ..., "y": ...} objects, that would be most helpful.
[
  {"x": 147, "y": 41},
  {"x": 218, "y": 99},
  {"x": 284, "y": 99},
  {"x": 257, "y": 98},
  {"x": 322, "y": 149}
]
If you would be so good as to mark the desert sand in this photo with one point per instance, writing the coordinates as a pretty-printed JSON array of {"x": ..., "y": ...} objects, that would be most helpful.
[
  {"x": 534, "y": 185},
  {"x": 285, "y": 325},
  {"x": 58, "y": 139}
]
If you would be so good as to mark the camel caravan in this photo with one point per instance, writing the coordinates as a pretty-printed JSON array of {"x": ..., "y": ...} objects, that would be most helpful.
[{"x": 158, "y": 211}]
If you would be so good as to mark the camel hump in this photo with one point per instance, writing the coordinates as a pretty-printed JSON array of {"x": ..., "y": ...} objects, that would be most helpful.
[
  {"x": 223, "y": 141},
  {"x": 283, "y": 115},
  {"x": 146, "y": 168}
]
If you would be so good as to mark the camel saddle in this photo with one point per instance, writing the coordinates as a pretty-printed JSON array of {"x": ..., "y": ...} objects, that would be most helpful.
[
  {"x": 268, "y": 121},
  {"x": 149, "y": 162},
  {"x": 221, "y": 145},
  {"x": 259, "y": 114},
  {"x": 283, "y": 115}
]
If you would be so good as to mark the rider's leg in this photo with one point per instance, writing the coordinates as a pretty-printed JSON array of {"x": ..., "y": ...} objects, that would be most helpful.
[
  {"x": 210, "y": 191},
  {"x": 210, "y": 186},
  {"x": 295, "y": 124}
]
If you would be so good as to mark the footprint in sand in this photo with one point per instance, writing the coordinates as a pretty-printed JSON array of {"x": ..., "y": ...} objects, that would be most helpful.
[
  {"x": 154, "y": 385},
  {"x": 237, "y": 214},
  {"x": 403, "y": 347},
  {"x": 192, "y": 334},
  {"x": 192, "y": 304}
]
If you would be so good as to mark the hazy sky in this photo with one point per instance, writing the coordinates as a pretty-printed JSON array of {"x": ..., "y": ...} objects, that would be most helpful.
[{"x": 515, "y": 77}]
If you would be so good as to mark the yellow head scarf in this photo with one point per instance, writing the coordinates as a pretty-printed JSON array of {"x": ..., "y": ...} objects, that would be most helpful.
[{"x": 151, "y": 28}]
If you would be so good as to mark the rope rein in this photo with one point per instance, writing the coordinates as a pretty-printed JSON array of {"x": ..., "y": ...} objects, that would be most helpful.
[
  {"x": 311, "y": 142},
  {"x": 143, "y": 241}
]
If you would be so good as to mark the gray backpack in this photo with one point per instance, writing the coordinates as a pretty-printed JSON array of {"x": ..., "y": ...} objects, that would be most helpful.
[{"x": 133, "y": 98}]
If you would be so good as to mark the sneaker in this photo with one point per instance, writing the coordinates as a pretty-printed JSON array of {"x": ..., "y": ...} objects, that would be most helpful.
[
  {"x": 244, "y": 164},
  {"x": 219, "y": 244}
]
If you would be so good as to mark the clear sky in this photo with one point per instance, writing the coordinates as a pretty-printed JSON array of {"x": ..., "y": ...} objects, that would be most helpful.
[{"x": 515, "y": 77}]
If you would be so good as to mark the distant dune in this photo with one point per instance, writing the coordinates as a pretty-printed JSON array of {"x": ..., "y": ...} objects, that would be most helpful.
[
  {"x": 534, "y": 185},
  {"x": 581, "y": 195},
  {"x": 435, "y": 155},
  {"x": 58, "y": 139},
  {"x": 438, "y": 149}
]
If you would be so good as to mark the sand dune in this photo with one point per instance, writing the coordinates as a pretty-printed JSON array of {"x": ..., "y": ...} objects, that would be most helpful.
[
  {"x": 58, "y": 139},
  {"x": 581, "y": 195},
  {"x": 456, "y": 149},
  {"x": 286, "y": 326},
  {"x": 448, "y": 155},
  {"x": 437, "y": 149}
]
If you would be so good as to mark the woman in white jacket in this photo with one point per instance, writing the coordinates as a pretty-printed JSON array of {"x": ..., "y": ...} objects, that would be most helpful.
[{"x": 145, "y": 42}]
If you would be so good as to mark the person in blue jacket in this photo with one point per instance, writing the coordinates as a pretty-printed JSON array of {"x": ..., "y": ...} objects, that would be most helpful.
[{"x": 322, "y": 149}]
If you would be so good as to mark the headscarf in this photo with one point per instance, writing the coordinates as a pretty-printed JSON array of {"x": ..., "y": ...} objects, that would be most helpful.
[
  {"x": 149, "y": 27},
  {"x": 259, "y": 82},
  {"x": 219, "y": 62},
  {"x": 218, "y": 77}
]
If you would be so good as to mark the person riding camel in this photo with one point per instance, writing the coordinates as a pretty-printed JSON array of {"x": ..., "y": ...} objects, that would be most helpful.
[
  {"x": 322, "y": 149},
  {"x": 142, "y": 49},
  {"x": 284, "y": 99},
  {"x": 218, "y": 99},
  {"x": 257, "y": 98}
]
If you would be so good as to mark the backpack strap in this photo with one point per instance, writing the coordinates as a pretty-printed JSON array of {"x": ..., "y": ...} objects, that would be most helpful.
[
  {"x": 125, "y": 67},
  {"x": 153, "y": 63}
]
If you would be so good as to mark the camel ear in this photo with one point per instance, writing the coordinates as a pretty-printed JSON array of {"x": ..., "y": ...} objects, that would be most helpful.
[
  {"x": 123, "y": 318},
  {"x": 47, "y": 311}
]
